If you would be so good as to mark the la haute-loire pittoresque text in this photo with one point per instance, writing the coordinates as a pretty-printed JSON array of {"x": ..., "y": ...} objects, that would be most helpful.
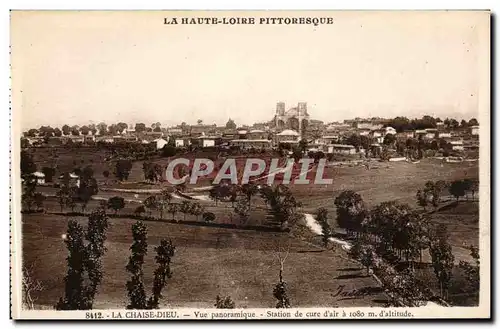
[{"x": 247, "y": 20}]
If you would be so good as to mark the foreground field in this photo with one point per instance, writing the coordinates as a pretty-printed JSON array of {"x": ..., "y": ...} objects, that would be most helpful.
[
  {"x": 208, "y": 261},
  {"x": 242, "y": 263}
]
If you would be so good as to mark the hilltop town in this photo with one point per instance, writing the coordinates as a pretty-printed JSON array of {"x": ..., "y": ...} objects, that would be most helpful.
[{"x": 365, "y": 137}]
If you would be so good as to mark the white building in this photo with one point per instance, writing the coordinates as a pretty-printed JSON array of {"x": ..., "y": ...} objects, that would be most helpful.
[
  {"x": 160, "y": 143},
  {"x": 206, "y": 141},
  {"x": 39, "y": 177},
  {"x": 341, "y": 149},
  {"x": 444, "y": 134},
  {"x": 457, "y": 145},
  {"x": 474, "y": 130},
  {"x": 390, "y": 130},
  {"x": 287, "y": 136}
]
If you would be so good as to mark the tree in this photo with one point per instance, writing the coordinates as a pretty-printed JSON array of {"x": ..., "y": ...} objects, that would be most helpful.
[
  {"x": 208, "y": 217},
  {"x": 474, "y": 187},
  {"x": 151, "y": 204},
  {"x": 457, "y": 189},
  {"x": 249, "y": 190},
  {"x": 185, "y": 208},
  {"x": 389, "y": 139},
  {"x": 116, "y": 203},
  {"x": 39, "y": 199},
  {"x": 442, "y": 259},
  {"x": 84, "y": 130},
  {"x": 230, "y": 124},
  {"x": 439, "y": 187},
  {"x": 95, "y": 250},
  {"x": 57, "y": 132},
  {"x": 74, "y": 297},
  {"x": 29, "y": 286},
  {"x": 49, "y": 173},
  {"x": 122, "y": 169},
  {"x": 422, "y": 199},
  {"x": 326, "y": 231},
  {"x": 140, "y": 127},
  {"x": 173, "y": 208},
  {"x": 473, "y": 122},
  {"x": 363, "y": 251},
  {"x": 164, "y": 253},
  {"x": 86, "y": 189},
  {"x": 467, "y": 186},
  {"x": 28, "y": 166},
  {"x": 106, "y": 174},
  {"x": 224, "y": 302},
  {"x": 135, "y": 286},
  {"x": 121, "y": 126},
  {"x": 282, "y": 203},
  {"x": 350, "y": 210},
  {"x": 31, "y": 133},
  {"x": 215, "y": 193},
  {"x": 84, "y": 258},
  {"x": 472, "y": 270},
  {"x": 280, "y": 291},
  {"x": 66, "y": 130},
  {"x": 102, "y": 128},
  {"x": 197, "y": 209},
  {"x": 140, "y": 210},
  {"x": 242, "y": 210}
]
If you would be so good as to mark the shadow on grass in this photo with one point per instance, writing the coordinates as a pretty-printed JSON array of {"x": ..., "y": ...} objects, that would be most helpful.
[
  {"x": 350, "y": 276},
  {"x": 349, "y": 269},
  {"x": 309, "y": 251},
  {"x": 183, "y": 222}
]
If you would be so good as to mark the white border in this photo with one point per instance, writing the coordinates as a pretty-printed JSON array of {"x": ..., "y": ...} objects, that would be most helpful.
[{"x": 258, "y": 4}]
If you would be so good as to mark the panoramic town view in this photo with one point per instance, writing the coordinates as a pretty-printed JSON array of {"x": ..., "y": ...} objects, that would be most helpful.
[
  {"x": 398, "y": 224},
  {"x": 247, "y": 166}
]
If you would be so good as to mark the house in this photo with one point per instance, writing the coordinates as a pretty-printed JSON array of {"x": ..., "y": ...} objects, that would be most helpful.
[
  {"x": 364, "y": 131},
  {"x": 329, "y": 139},
  {"x": 160, "y": 143},
  {"x": 200, "y": 129},
  {"x": 206, "y": 141},
  {"x": 251, "y": 143},
  {"x": 406, "y": 134},
  {"x": 105, "y": 139},
  {"x": 39, "y": 177},
  {"x": 257, "y": 134},
  {"x": 77, "y": 139},
  {"x": 440, "y": 125},
  {"x": 73, "y": 179},
  {"x": 390, "y": 130},
  {"x": 444, "y": 134},
  {"x": 56, "y": 141},
  {"x": 370, "y": 125},
  {"x": 287, "y": 136},
  {"x": 474, "y": 130},
  {"x": 174, "y": 131},
  {"x": 341, "y": 149},
  {"x": 457, "y": 144},
  {"x": 242, "y": 133}
]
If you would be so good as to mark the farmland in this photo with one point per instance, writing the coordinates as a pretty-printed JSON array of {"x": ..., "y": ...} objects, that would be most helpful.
[
  {"x": 242, "y": 263},
  {"x": 208, "y": 261}
]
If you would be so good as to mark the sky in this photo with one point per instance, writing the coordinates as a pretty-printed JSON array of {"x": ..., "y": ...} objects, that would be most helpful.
[{"x": 88, "y": 67}]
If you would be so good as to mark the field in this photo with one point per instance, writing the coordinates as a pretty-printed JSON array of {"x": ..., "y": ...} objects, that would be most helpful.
[
  {"x": 242, "y": 263},
  {"x": 208, "y": 261}
]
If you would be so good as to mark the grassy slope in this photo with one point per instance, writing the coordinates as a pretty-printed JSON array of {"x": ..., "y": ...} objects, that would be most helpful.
[{"x": 208, "y": 261}]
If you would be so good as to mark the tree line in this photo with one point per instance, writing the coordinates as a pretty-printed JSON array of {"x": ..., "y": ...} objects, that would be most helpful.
[{"x": 391, "y": 234}]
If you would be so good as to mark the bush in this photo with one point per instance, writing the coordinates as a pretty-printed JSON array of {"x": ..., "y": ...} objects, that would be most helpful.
[{"x": 208, "y": 217}]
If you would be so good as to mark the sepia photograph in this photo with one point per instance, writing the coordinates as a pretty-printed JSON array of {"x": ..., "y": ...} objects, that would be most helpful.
[{"x": 216, "y": 165}]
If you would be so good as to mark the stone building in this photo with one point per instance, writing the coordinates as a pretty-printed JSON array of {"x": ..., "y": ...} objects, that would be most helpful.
[{"x": 295, "y": 118}]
